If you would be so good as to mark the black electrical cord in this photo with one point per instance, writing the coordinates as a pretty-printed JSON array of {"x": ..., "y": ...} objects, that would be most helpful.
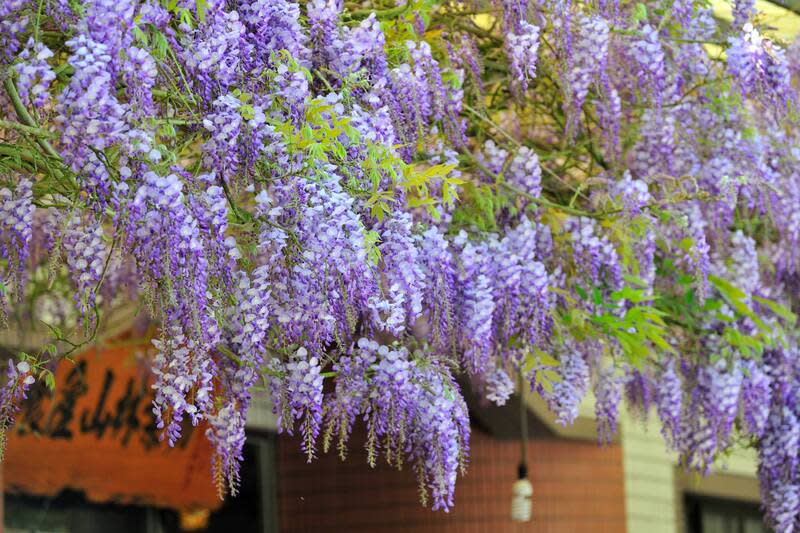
[{"x": 522, "y": 469}]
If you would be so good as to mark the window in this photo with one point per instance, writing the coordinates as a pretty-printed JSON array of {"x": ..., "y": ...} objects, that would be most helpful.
[{"x": 712, "y": 515}]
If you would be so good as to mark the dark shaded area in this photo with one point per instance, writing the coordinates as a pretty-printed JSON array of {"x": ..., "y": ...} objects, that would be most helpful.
[
  {"x": 501, "y": 422},
  {"x": 713, "y": 515}
]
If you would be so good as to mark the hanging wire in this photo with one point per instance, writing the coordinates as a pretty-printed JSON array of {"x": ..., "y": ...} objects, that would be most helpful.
[{"x": 522, "y": 491}]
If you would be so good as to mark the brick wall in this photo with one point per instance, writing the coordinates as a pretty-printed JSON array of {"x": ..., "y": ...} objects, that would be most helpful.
[{"x": 578, "y": 487}]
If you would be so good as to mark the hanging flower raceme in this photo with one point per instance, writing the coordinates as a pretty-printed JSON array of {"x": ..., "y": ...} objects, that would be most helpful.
[
  {"x": 213, "y": 53},
  {"x": 595, "y": 256},
  {"x": 165, "y": 239},
  {"x": 586, "y": 63},
  {"x": 564, "y": 396},
  {"x": 34, "y": 73},
  {"x": 86, "y": 255},
  {"x": 669, "y": 402},
  {"x": 404, "y": 276},
  {"x": 522, "y": 51},
  {"x": 608, "y": 395},
  {"x": 521, "y": 315},
  {"x": 476, "y": 305},
  {"x": 19, "y": 378},
  {"x": 438, "y": 264},
  {"x": 649, "y": 55},
  {"x": 183, "y": 374},
  {"x": 12, "y": 24},
  {"x": 90, "y": 115},
  {"x": 759, "y": 67},
  {"x": 16, "y": 231}
]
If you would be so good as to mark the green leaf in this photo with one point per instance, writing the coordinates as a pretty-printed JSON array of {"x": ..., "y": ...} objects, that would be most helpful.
[
  {"x": 581, "y": 292},
  {"x": 50, "y": 381},
  {"x": 630, "y": 294},
  {"x": 639, "y": 13},
  {"x": 371, "y": 240},
  {"x": 659, "y": 341},
  {"x": 546, "y": 359},
  {"x": 778, "y": 309},
  {"x": 597, "y": 296},
  {"x": 551, "y": 375},
  {"x": 202, "y": 7},
  {"x": 247, "y": 111},
  {"x": 635, "y": 280},
  {"x": 160, "y": 46},
  {"x": 726, "y": 288}
]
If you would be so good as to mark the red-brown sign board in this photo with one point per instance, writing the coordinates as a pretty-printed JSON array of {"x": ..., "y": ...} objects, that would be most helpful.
[{"x": 96, "y": 434}]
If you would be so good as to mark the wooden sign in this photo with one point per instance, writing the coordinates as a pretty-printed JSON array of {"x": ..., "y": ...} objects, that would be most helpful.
[{"x": 96, "y": 434}]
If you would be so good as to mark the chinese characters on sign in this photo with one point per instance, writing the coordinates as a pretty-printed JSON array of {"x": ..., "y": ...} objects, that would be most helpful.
[{"x": 96, "y": 433}]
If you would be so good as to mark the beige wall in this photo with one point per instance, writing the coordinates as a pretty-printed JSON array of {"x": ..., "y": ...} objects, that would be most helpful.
[{"x": 655, "y": 484}]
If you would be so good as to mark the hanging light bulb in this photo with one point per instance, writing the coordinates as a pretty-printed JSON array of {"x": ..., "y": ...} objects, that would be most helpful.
[{"x": 521, "y": 494}]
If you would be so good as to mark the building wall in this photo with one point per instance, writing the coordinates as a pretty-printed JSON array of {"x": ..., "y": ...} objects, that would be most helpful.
[
  {"x": 655, "y": 485},
  {"x": 578, "y": 487},
  {"x": 651, "y": 498}
]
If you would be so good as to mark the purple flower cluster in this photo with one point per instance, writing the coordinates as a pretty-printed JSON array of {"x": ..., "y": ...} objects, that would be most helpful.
[
  {"x": 19, "y": 378},
  {"x": 499, "y": 386},
  {"x": 756, "y": 397},
  {"x": 404, "y": 275},
  {"x": 90, "y": 114},
  {"x": 183, "y": 383},
  {"x": 631, "y": 193},
  {"x": 759, "y": 67},
  {"x": 564, "y": 396},
  {"x": 649, "y": 56},
  {"x": 440, "y": 274},
  {"x": 586, "y": 63},
  {"x": 213, "y": 54},
  {"x": 34, "y": 73},
  {"x": 164, "y": 237},
  {"x": 743, "y": 11},
  {"x": 476, "y": 303},
  {"x": 594, "y": 255},
  {"x": 608, "y": 394},
  {"x": 12, "y": 24},
  {"x": 413, "y": 406},
  {"x": 85, "y": 256},
  {"x": 16, "y": 231},
  {"x": 226, "y": 434},
  {"x": 522, "y": 49},
  {"x": 140, "y": 74},
  {"x": 522, "y": 288},
  {"x": 669, "y": 403},
  {"x": 525, "y": 173},
  {"x": 224, "y": 125},
  {"x": 304, "y": 392}
]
